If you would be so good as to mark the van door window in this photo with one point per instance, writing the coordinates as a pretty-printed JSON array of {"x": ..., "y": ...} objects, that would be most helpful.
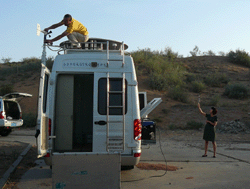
[
  {"x": 45, "y": 89},
  {"x": 115, "y": 96}
]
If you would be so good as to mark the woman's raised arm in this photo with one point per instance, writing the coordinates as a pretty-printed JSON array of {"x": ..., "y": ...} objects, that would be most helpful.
[{"x": 203, "y": 113}]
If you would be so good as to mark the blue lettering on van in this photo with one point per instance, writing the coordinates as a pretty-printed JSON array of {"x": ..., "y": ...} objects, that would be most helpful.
[
  {"x": 60, "y": 185},
  {"x": 83, "y": 64},
  {"x": 80, "y": 173}
]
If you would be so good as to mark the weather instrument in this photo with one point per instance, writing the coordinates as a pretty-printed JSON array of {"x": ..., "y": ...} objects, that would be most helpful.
[{"x": 38, "y": 31}]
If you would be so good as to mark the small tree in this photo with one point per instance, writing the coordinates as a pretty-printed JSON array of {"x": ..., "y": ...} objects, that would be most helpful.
[
  {"x": 6, "y": 60},
  {"x": 195, "y": 51}
]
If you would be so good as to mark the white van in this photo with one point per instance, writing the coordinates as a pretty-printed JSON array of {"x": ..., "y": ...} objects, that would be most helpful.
[
  {"x": 10, "y": 112},
  {"x": 89, "y": 103}
]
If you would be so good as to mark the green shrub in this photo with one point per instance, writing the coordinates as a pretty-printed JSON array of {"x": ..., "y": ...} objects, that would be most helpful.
[
  {"x": 214, "y": 100},
  {"x": 165, "y": 111},
  {"x": 141, "y": 55},
  {"x": 216, "y": 80},
  {"x": 172, "y": 127},
  {"x": 5, "y": 89},
  {"x": 178, "y": 93},
  {"x": 198, "y": 86},
  {"x": 31, "y": 60},
  {"x": 240, "y": 57},
  {"x": 170, "y": 54},
  {"x": 29, "y": 120},
  {"x": 190, "y": 77},
  {"x": 7, "y": 71},
  {"x": 157, "y": 82},
  {"x": 157, "y": 119},
  {"x": 161, "y": 67},
  {"x": 193, "y": 125},
  {"x": 209, "y": 53},
  {"x": 237, "y": 91}
]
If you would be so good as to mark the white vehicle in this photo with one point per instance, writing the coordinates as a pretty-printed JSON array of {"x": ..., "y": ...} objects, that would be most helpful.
[
  {"x": 10, "y": 112},
  {"x": 89, "y": 102}
]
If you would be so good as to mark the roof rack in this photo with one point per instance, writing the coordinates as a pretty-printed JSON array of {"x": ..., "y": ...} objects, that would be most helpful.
[{"x": 95, "y": 44}]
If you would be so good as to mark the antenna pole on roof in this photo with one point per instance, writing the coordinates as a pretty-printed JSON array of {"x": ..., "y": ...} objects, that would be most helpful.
[{"x": 38, "y": 31}]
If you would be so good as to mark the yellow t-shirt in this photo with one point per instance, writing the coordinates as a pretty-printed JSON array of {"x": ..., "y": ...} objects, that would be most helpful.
[{"x": 76, "y": 26}]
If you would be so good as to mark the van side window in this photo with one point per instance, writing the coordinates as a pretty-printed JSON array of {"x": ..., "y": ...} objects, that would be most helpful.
[
  {"x": 45, "y": 89},
  {"x": 115, "y": 96}
]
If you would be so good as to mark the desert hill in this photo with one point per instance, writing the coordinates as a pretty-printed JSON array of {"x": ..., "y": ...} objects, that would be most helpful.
[{"x": 170, "y": 112}]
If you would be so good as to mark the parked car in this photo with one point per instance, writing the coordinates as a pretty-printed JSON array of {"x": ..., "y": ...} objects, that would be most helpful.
[{"x": 10, "y": 112}]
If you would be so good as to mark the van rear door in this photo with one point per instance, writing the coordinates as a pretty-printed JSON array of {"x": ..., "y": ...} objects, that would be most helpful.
[
  {"x": 42, "y": 118},
  {"x": 150, "y": 107},
  {"x": 109, "y": 128}
]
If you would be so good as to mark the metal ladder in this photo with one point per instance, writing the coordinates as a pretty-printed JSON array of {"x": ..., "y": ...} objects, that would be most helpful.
[
  {"x": 116, "y": 143},
  {"x": 122, "y": 54}
]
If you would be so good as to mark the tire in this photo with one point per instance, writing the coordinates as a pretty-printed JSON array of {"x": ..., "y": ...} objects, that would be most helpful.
[
  {"x": 5, "y": 132},
  {"x": 128, "y": 167}
]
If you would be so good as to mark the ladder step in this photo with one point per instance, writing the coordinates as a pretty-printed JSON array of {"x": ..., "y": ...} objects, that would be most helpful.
[
  {"x": 115, "y": 143},
  {"x": 115, "y": 59},
  {"x": 115, "y": 92}
]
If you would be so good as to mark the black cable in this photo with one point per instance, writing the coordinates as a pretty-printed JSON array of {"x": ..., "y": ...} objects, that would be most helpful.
[{"x": 164, "y": 160}]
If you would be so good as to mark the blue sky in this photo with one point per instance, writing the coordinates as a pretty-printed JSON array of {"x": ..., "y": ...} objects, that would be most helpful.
[{"x": 156, "y": 24}]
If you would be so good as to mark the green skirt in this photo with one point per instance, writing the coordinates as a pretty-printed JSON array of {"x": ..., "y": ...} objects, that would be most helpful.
[{"x": 209, "y": 133}]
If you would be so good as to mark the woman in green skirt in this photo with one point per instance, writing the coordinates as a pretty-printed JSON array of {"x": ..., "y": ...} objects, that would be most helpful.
[{"x": 209, "y": 131}]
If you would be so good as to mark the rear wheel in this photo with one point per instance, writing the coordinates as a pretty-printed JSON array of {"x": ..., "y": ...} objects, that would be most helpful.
[
  {"x": 5, "y": 132},
  {"x": 128, "y": 167}
]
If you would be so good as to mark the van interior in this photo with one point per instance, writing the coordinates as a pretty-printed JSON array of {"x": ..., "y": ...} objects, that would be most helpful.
[
  {"x": 74, "y": 113},
  {"x": 11, "y": 110}
]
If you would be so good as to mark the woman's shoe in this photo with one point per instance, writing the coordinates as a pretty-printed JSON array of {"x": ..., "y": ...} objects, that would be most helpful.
[
  {"x": 204, "y": 155},
  {"x": 214, "y": 156}
]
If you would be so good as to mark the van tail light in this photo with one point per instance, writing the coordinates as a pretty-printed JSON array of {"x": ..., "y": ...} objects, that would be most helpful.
[
  {"x": 1, "y": 115},
  {"x": 49, "y": 127},
  {"x": 137, "y": 154},
  {"x": 21, "y": 115},
  {"x": 137, "y": 129}
]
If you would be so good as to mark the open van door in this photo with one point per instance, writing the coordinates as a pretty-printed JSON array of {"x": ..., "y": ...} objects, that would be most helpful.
[
  {"x": 42, "y": 118},
  {"x": 150, "y": 107}
]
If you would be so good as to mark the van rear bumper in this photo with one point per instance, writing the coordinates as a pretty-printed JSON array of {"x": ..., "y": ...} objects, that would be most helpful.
[
  {"x": 125, "y": 160},
  {"x": 129, "y": 160},
  {"x": 11, "y": 123}
]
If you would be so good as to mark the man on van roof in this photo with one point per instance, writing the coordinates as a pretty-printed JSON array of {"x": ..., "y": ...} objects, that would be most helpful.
[{"x": 76, "y": 32}]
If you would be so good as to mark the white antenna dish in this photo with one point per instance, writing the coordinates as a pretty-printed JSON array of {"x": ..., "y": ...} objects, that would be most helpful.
[{"x": 38, "y": 30}]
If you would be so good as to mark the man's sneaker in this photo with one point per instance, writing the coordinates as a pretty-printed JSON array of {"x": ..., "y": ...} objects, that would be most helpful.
[{"x": 79, "y": 46}]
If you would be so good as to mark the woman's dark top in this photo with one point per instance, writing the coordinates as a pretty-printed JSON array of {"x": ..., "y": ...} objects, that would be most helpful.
[{"x": 209, "y": 131}]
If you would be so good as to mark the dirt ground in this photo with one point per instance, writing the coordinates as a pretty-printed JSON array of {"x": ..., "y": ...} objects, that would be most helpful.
[
  {"x": 195, "y": 135},
  {"x": 9, "y": 152},
  {"x": 13, "y": 149},
  {"x": 26, "y": 163}
]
